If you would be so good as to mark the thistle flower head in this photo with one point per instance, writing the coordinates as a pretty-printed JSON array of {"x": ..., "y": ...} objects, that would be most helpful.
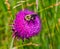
[{"x": 26, "y": 24}]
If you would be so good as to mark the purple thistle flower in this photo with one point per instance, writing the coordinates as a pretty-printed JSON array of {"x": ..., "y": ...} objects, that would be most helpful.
[{"x": 26, "y": 24}]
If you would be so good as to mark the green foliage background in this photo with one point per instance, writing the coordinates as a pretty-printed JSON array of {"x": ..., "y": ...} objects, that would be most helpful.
[{"x": 49, "y": 37}]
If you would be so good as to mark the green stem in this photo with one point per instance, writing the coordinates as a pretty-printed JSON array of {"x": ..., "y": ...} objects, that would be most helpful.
[
  {"x": 11, "y": 45},
  {"x": 56, "y": 9}
]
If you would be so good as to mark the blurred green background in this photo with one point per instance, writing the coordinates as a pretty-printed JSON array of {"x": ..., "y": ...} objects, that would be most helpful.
[{"x": 49, "y": 37}]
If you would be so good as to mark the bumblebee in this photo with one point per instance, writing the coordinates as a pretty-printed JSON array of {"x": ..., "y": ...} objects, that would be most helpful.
[{"x": 30, "y": 17}]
